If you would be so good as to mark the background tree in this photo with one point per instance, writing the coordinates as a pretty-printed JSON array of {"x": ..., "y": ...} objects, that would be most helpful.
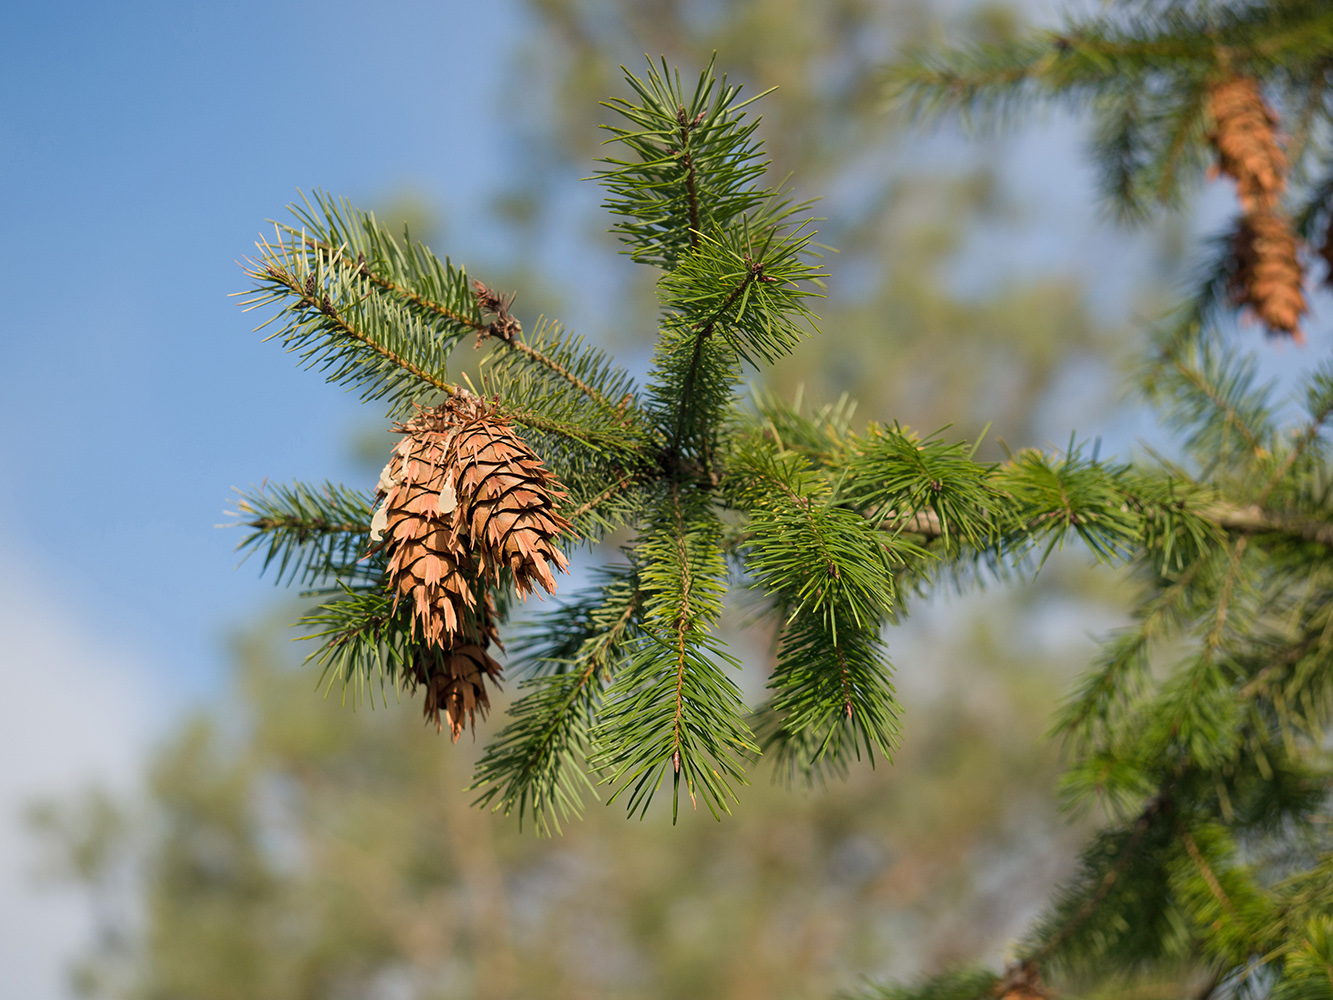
[{"x": 291, "y": 848}]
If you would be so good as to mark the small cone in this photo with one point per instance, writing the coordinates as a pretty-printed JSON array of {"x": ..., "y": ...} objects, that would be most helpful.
[
  {"x": 1267, "y": 274},
  {"x": 506, "y": 498},
  {"x": 427, "y": 559}
]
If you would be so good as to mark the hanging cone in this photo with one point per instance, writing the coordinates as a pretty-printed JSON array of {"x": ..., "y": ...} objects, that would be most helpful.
[
  {"x": 1267, "y": 274},
  {"x": 427, "y": 559},
  {"x": 506, "y": 499},
  {"x": 1244, "y": 135},
  {"x": 463, "y": 497}
]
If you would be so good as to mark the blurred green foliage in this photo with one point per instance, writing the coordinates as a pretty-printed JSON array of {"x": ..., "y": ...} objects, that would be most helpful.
[{"x": 291, "y": 848}]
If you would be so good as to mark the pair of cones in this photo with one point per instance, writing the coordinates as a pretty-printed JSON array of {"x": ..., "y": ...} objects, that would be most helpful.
[
  {"x": 1266, "y": 274},
  {"x": 462, "y": 501}
]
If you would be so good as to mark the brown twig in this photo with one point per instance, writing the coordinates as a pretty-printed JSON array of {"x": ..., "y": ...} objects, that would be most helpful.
[
  {"x": 691, "y": 185},
  {"x": 1206, "y": 870},
  {"x": 602, "y": 497}
]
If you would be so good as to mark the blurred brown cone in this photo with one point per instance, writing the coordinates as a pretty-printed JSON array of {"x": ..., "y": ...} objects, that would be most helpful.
[
  {"x": 506, "y": 498},
  {"x": 1244, "y": 134},
  {"x": 427, "y": 558},
  {"x": 1266, "y": 272}
]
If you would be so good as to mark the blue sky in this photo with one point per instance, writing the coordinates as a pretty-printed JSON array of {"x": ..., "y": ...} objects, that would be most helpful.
[{"x": 142, "y": 146}]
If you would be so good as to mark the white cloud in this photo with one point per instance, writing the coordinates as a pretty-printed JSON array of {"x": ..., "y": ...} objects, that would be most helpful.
[{"x": 72, "y": 712}]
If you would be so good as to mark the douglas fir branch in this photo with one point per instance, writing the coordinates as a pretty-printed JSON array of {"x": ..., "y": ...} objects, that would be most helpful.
[{"x": 1201, "y": 731}]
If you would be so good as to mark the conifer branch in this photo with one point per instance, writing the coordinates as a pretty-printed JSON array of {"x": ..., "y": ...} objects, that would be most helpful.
[
  {"x": 1195, "y": 757},
  {"x": 1323, "y": 410},
  {"x": 595, "y": 439},
  {"x": 324, "y": 330},
  {"x": 532, "y": 765},
  {"x": 844, "y": 675},
  {"x": 1124, "y": 657},
  {"x": 507, "y": 330},
  {"x": 694, "y": 165},
  {"x": 1250, "y": 519},
  {"x": 311, "y": 534},
  {"x": 504, "y": 328},
  {"x": 305, "y": 526},
  {"x": 702, "y": 332},
  {"x": 1214, "y": 637},
  {"x": 1234, "y": 554},
  {"x": 362, "y": 636},
  {"x": 362, "y": 268},
  {"x": 341, "y": 324},
  {"x": 555, "y": 368},
  {"x": 1065, "y": 931},
  {"x": 685, "y": 614},
  {"x": 1294, "y": 654},
  {"x": 1254, "y": 520}
]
